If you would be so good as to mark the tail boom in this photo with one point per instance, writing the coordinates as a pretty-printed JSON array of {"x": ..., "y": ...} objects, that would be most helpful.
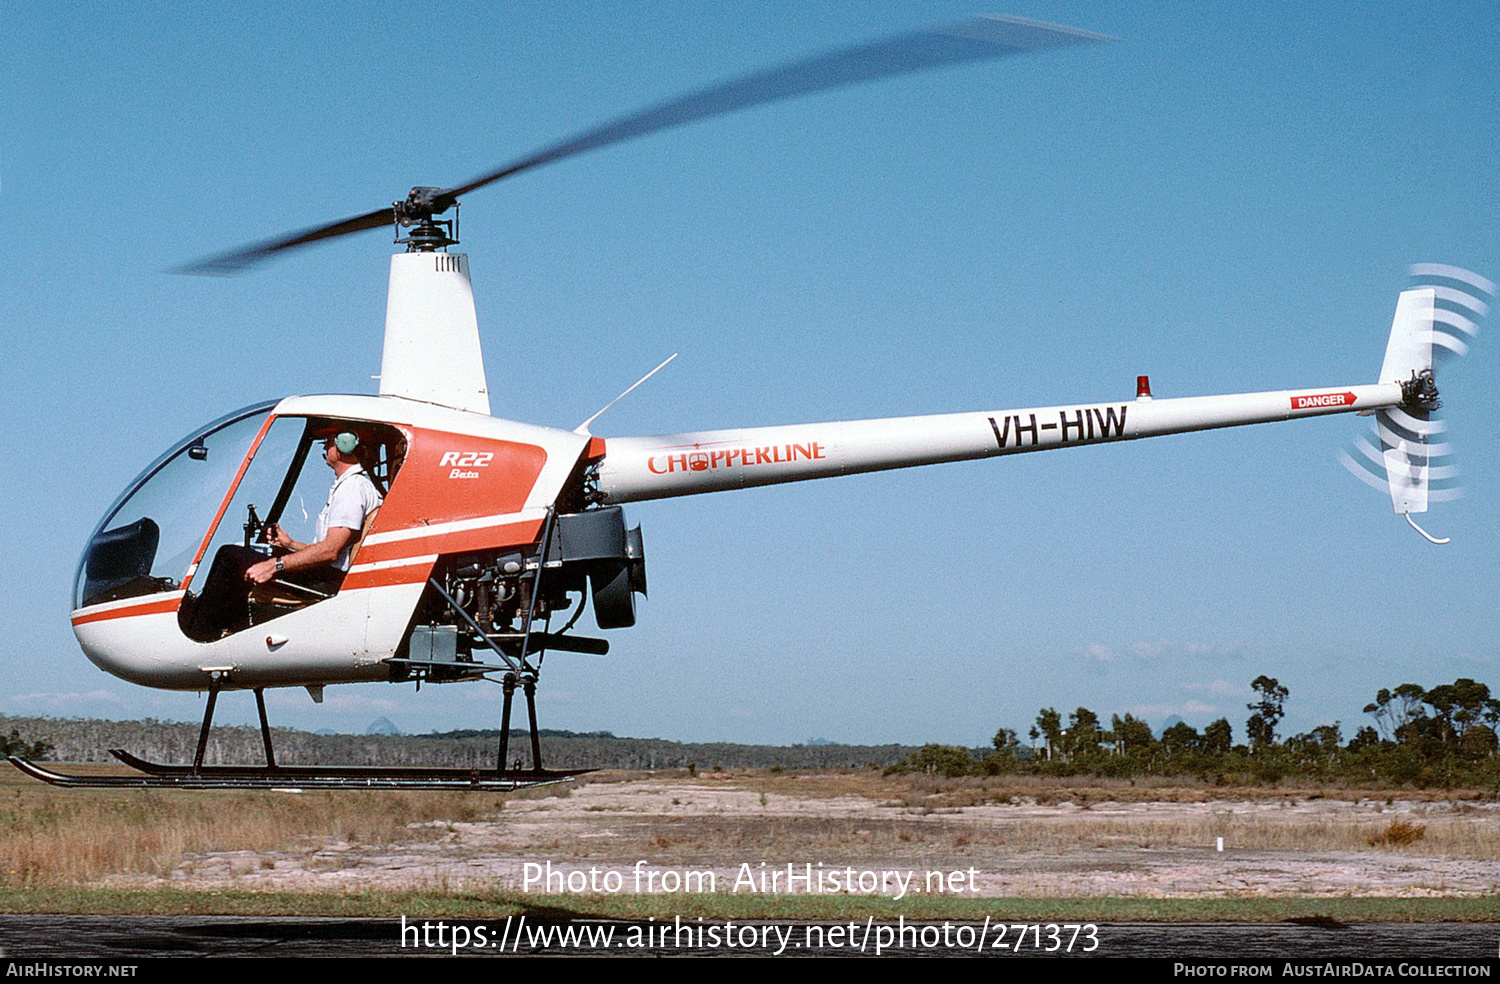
[{"x": 642, "y": 468}]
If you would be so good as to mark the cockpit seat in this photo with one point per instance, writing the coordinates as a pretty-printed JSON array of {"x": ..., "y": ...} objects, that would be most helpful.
[{"x": 119, "y": 563}]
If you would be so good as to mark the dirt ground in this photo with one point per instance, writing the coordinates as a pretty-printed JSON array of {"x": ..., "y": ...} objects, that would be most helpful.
[{"x": 655, "y": 833}]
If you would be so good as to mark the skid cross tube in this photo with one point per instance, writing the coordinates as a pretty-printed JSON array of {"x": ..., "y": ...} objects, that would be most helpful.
[
  {"x": 536, "y": 739},
  {"x": 536, "y": 588},
  {"x": 265, "y": 728},
  {"x": 509, "y": 685},
  {"x": 528, "y": 681},
  {"x": 208, "y": 720}
]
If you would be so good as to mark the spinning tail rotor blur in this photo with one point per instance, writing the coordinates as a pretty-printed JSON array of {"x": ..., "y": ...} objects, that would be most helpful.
[{"x": 1407, "y": 455}]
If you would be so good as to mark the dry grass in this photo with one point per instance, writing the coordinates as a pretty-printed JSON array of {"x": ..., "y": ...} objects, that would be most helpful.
[
  {"x": 52, "y": 837},
  {"x": 1398, "y": 833},
  {"x": 965, "y": 818},
  {"x": 55, "y": 838},
  {"x": 704, "y": 840},
  {"x": 937, "y": 791}
]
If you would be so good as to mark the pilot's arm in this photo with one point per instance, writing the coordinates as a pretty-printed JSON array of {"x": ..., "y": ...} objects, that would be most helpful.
[{"x": 325, "y": 551}]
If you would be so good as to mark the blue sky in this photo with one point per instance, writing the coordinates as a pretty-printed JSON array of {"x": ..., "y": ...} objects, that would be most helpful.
[{"x": 1226, "y": 199}]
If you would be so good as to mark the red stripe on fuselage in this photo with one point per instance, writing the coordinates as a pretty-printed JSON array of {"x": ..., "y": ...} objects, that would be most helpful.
[
  {"x": 386, "y": 577},
  {"x": 130, "y": 611},
  {"x": 484, "y": 538}
]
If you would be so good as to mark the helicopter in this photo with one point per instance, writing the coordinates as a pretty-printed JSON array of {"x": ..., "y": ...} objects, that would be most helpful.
[{"x": 493, "y": 537}]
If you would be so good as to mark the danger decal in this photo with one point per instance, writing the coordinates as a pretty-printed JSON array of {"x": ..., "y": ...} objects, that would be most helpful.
[{"x": 1320, "y": 400}]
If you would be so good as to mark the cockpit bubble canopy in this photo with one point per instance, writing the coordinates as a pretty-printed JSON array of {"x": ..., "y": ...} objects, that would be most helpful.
[{"x": 150, "y": 535}]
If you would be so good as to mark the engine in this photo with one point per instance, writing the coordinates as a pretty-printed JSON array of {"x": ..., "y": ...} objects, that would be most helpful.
[{"x": 484, "y": 608}]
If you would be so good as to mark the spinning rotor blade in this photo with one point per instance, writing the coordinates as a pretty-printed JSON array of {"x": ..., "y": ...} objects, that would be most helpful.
[
  {"x": 966, "y": 41},
  {"x": 1406, "y": 455},
  {"x": 228, "y": 264}
]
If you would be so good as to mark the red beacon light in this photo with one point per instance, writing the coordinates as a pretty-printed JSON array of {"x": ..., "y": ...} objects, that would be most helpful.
[{"x": 1143, "y": 387}]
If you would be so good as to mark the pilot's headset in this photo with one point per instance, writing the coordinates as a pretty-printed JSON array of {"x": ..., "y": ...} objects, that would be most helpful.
[{"x": 346, "y": 441}]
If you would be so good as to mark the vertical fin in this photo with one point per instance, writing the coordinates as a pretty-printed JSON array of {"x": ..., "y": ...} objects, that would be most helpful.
[
  {"x": 1407, "y": 478},
  {"x": 1410, "y": 347}
]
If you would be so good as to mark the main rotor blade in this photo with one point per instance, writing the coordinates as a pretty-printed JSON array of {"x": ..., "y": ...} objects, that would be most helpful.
[
  {"x": 227, "y": 264},
  {"x": 968, "y": 40}
]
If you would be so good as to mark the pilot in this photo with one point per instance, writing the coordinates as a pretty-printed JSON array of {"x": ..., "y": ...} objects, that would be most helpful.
[{"x": 352, "y": 499}]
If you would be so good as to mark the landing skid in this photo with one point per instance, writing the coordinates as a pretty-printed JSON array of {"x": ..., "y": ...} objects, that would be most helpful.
[
  {"x": 153, "y": 775},
  {"x": 273, "y": 776},
  {"x": 525, "y": 777}
]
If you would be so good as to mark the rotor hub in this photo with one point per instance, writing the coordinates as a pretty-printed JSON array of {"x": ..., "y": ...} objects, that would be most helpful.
[
  {"x": 1420, "y": 392},
  {"x": 417, "y": 213}
]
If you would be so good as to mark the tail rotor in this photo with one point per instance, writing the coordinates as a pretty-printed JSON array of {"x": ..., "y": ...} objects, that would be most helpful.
[{"x": 1406, "y": 455}]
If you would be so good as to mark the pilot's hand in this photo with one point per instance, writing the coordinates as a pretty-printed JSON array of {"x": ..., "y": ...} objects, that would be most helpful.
[
  {"x": 277, "y": 537},
  {"x": 262, "y": 572}
]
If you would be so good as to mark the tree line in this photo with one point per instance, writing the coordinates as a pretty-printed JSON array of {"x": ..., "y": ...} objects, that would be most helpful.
[
  {"x": 90, "y": 739},
  {"x": 1445, "y": 736}
]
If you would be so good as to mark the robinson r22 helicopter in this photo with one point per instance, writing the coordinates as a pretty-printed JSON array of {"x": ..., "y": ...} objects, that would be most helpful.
[{"x": 491, "y": 531}]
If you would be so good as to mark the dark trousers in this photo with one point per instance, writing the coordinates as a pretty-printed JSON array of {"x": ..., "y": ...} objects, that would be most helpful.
[{"x": 223, "y": 606}]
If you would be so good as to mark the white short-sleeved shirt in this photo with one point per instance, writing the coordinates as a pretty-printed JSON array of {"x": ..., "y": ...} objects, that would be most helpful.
[{"x": 350, "y": 502}]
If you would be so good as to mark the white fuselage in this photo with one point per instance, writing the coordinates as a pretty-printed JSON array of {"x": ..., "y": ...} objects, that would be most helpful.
[{"x": 465, "y": 484}]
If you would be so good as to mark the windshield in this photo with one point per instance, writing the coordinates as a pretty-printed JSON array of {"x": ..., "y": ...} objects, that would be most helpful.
[
  {"x": 271, "y": 493},
  {"x": 150, "y": 536}
]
